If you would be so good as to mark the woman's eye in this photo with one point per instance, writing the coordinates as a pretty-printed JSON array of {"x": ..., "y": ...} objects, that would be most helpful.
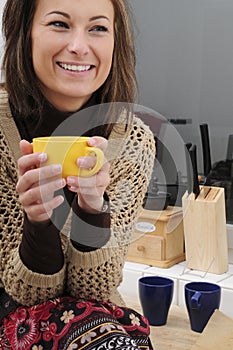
[
  {"x": 99, "y": 29},
  {"x": 58, "y": 24}
]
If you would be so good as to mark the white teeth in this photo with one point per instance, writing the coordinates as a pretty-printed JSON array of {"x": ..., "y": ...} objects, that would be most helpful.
[{"x": 75, "y": 68}]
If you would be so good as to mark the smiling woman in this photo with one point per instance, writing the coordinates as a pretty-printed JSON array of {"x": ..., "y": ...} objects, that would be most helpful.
[
  {"x": 64, "y": 238},
  {"x": 80, "y": 51}
]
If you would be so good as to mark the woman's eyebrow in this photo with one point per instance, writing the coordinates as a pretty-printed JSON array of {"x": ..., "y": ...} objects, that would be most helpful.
[
  {"x": 99, "y": 17},
  {"x": 94, "y": 18},
  {"x": 58, "y": 13}
]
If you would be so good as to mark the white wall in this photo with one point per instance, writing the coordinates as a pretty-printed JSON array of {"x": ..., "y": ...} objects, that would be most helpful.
[{"x": 185, "y": 64}]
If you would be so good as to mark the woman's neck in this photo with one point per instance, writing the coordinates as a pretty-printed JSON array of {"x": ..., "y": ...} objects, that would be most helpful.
[{"x": 68, "y": 105}]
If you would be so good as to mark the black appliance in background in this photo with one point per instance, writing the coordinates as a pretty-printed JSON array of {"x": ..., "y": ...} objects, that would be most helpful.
[
  {"x": 171, "y": 190},
  {"x": 172, "y": 184},
  {"x": 220, "y": 174}
]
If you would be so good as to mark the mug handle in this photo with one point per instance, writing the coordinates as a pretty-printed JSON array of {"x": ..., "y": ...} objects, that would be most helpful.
[
  {"x": 195, "y": 300},
  {"x": 99, "y": 162}
]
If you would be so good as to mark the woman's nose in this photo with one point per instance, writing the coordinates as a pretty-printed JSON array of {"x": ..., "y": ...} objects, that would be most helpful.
[{"x": 78, "y": 43}]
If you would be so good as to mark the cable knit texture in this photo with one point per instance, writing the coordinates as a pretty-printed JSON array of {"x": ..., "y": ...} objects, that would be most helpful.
[{"x": 95, "y": 274}]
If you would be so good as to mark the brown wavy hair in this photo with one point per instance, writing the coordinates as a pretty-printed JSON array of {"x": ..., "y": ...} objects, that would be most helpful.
[{"x": 20, "y": 79}]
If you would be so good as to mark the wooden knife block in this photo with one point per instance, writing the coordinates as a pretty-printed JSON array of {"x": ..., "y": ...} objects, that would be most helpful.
[
  {"x": 163, "y": 243},
  {"x": 205, "y": 233}
]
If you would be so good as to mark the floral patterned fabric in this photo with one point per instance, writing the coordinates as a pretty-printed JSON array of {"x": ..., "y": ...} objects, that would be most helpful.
[{"x": 66, "y": 323}]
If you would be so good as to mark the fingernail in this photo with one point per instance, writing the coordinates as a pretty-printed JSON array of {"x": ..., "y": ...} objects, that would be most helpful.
[
  {"x": 70, "y": 180},
  {"x": 92, "y": 141},
  {"x": 60, "y": 183},
  {"x": 72, "y": 188},
  {"x": 81, "y": 162},
  {"x": 42, "y": 157},
  {"x": 57, "y": 168}
]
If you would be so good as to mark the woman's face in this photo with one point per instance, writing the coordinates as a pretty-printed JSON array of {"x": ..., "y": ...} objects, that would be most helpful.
[{"x": 72, "y": 49}]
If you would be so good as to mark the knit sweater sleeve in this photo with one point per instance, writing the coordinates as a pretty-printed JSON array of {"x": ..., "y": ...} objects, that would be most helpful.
[
  {"x": 25, "y": 286},
  {"x": 99, "y": 273}
]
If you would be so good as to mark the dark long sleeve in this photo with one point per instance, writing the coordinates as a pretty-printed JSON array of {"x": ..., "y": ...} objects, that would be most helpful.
[
  {"x": 40, "y": 249},
  {"x": 90, "y": 231}
]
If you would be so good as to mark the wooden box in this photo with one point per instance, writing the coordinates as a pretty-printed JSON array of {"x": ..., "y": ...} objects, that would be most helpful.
[
  {"x": 205, "y": 230},
  {"x": 158, "y": 238}
]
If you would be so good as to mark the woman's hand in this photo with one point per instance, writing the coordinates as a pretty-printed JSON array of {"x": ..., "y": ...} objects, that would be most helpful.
[
  {"x": 91, "y": 189},
  {"x": 36, "y": 186}
]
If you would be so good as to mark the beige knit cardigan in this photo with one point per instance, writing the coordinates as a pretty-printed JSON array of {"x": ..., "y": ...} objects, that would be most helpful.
[{"x": 95, "y": 274}]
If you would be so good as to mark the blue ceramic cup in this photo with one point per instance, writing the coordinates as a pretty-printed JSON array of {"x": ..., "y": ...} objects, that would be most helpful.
[
  {"x": 202, "y": 299},
  {"x": 155, "y": 295}
]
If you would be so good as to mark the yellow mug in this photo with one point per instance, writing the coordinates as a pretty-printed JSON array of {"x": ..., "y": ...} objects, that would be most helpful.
[{"x": 65, "y": 150}]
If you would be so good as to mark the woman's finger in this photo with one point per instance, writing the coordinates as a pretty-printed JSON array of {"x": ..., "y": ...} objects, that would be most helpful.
[
  {"x": 38, "y": 176},
  {"x": 98, "y": 141},
  {"x": 41, "y": 194},
  {"x": 87, "y": 162},
  {"x": 43, "y": 211},
  {"x": 30, "y": 161},
  {"x": 102, "y": 178},
  {"x": 25, "y": 147}
]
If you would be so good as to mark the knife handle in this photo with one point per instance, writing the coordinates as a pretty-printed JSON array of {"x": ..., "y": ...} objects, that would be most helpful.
[
  {"x": 189, "y": 168},
  {"x": 205, "y": 148},
  {"x": 193, "y": 156}
]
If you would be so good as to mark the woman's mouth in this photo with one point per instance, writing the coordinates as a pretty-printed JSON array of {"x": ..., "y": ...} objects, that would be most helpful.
[{"x": 74, "y": 67}]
